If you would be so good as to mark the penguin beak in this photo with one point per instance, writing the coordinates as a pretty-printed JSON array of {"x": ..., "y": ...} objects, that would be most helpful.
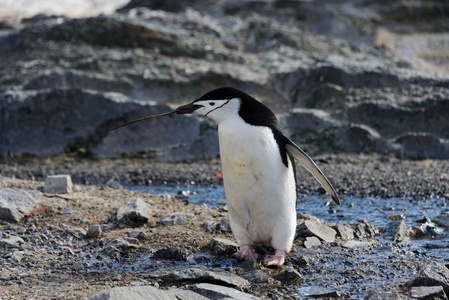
[{"x": 187, "y": 109}]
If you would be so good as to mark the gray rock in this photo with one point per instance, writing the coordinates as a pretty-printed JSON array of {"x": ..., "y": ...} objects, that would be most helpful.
[
  {"x": 172, "y": 253},
  {"x": 186, "y": 295},
  {"x": 221, "y": 246},
  {"x": 140, "y": 235},
  {"x": 12, "y": 242},
  {"x": 398, "y": 231},
  {"x": 14, "y": 204},
  {"x": 17, "y": 256},
  {"x": 87, "y": 133},
  {"x": 382, "y": 296},
  {"x": 199, "y": 274},
  {"x": 69, "y": 212},
  {"x": 134, "y": 212},
  {"x": 216, "y": 292},
  {"x": 428, "y": 292},
  {"x": 258, "y": 276},
  {"x": 365, "y": 229},
  {"x": 209, "y": 226},
  {"x": 77, "y": 232},
  {"x": 252, "y": 264},
  {"x": 58, "y": 184},
  {"x": 224, "y": 225},
  {"x": 303, "y": 120},
  {"x": 133, "y": 293},
  {"x": 431, "y": 274},
  {"x": 304, "y": 216},
  {"x": 177, "y": 218},
  {"x": 397, "y": 119},
  {"x": 289, "y": 276},
  {"x": 114, "y": 184},
  {"x": 355, "y": 138},
  {"x": 345, "y": 232},
  {"x": 312, "y": 242},
  {"x": 94, "y": 231},
  {"x": 118, "y": 247},
  {"x": 356, "y": 244},
  {"x": 423, "y": 145},
  {"x": 320, "y": 292},
  {"x": 314, "y": 228}
]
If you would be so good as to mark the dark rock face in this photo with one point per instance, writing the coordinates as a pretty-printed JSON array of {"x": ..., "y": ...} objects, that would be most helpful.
[
  {"x": 56, "y": 121},
  {"x": 56, "y": 75}
]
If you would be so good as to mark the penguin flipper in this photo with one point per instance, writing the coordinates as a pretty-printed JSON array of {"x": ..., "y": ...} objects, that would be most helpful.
[{"x": 311, "y": 166}]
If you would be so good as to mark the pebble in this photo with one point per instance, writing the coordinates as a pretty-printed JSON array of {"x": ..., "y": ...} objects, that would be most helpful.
[
  {"x": 199, "y": 273},
  {"x": 133, "y": 293},
  {"x": 186, "y": 294},
  {"x": 114, "y": 184},
  {"x": 213, "y": 291},
  {"x": 12, "y": 242},
  {"x": 289, "y": 276},
  {"x": 382, "y": 296},
  {"x": 431, "y": 274},
  {"x": 134, "y": 213},
  {"x": 221, "y": 246},
  {"x": 398, "y": 231},
  {"x": 140, "y": 235},
  {"x": 15, "y": 203},
  {"x": 77, "y": 232},
  {"x": 173, "y": 253},
  {"x": 428, "y": 292},
  {"x": 224, "y": 225},
  {"x": 357, "y": 244},
  {"x": 177, "y": 218},
  {"x": 345, "y": 232},
  {"x": 58, "y": 184},
  {"x": 365, "y": 229},
  {"x": 319, "y": 292},
  {"x": 312, "y": 242},
  {"x": 209, "y": 226},
  {"x": 94, "y": 231},
  {"x": 258, "y": 276},
  {"x": 317, "y": 229},
  {"x": 118, "y": 247}
]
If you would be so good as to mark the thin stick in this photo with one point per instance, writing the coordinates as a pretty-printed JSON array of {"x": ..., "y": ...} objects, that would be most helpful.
[{"x": 146, "y": 118}]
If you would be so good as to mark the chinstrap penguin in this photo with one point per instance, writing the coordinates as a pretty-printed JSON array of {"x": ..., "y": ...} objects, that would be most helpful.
[{"x": 258, "y": 171}]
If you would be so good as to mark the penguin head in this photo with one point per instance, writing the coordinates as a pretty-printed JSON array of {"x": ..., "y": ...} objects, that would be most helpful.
[
  {"x": 218, "y": 104},
  {"x": 226, "y": 102}
]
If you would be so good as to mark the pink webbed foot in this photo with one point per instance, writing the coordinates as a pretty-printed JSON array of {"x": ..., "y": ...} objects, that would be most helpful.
[
  {"x": 275, "y": 260},
  {"x": 245, "y": 252}
]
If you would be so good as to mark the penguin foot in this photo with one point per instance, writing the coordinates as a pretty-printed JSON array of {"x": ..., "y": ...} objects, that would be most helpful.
[
  {"x": 245, "y": 252},
  {"x": 275, "y": 260}
]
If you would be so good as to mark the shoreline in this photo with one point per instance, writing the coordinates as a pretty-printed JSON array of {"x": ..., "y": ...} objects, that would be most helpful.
[{"x": 357, "y": 175}]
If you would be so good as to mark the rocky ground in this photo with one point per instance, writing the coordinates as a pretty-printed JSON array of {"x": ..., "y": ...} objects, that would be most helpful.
[
  {"x": 74, "y": 245},
  {"x": 362, "y": 86}
]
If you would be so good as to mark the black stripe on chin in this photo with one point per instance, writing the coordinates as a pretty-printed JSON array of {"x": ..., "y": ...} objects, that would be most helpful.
[{"x": 218, "y": 107}]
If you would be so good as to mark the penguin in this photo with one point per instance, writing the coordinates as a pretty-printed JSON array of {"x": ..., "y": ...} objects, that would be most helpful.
[{"x": 258, "y": 171}]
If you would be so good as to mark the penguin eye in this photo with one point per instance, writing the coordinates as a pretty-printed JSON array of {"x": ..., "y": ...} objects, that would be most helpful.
[{"x": 211, "y": 103}]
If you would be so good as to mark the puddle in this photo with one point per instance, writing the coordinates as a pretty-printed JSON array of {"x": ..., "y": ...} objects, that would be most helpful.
[
  {"x": 384, "y": 266},
  {"x": 376, "y": 210}
]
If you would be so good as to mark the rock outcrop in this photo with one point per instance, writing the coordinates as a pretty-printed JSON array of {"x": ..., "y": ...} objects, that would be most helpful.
[{"x": 65, "y": 82}]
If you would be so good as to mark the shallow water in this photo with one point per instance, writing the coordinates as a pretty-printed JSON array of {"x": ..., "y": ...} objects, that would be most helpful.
[{"x": 378, "y": 211}]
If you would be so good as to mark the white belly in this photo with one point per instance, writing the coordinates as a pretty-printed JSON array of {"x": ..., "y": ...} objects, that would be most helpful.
[{"x": 260, "y": 189}]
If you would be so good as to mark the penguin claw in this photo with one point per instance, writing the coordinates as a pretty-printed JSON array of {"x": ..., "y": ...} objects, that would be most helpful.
[
  {"x": 245, "y": 252},
  {"x": 276, "y": 260}
]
